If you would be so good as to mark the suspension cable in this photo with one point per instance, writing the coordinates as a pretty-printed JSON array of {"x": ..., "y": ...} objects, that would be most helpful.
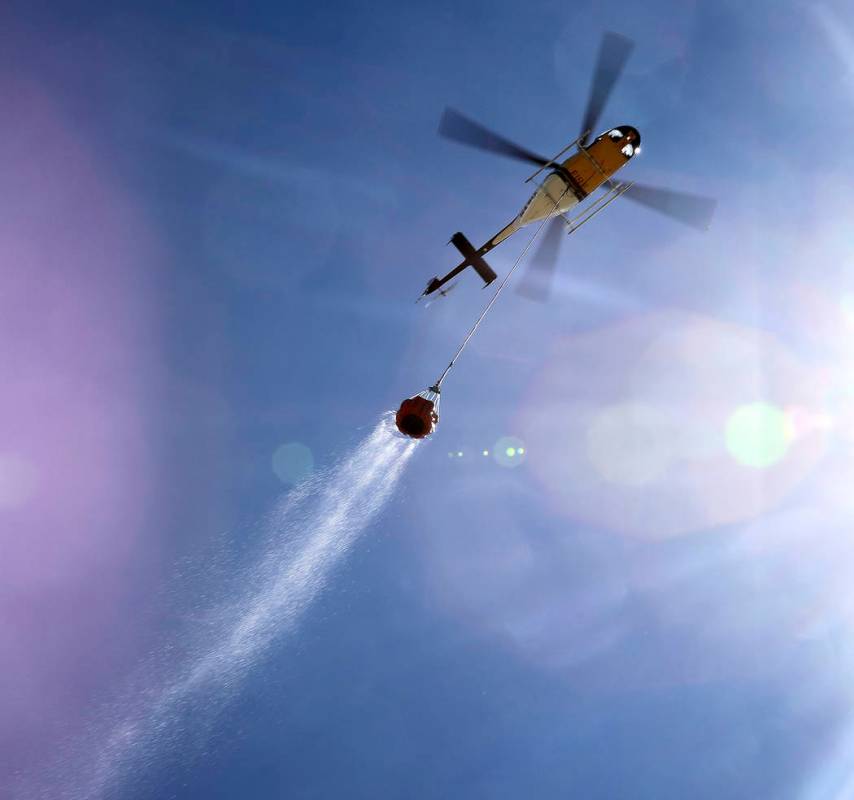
[{"x": 435, "y": 387}]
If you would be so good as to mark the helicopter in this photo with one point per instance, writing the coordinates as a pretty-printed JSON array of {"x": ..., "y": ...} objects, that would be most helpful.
[
  {"x": 566, "y": 186},
  {"x": 569, "y": 182}
]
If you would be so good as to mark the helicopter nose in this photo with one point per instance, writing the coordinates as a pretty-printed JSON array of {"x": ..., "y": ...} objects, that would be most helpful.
[{"x": 632, "y": 135}]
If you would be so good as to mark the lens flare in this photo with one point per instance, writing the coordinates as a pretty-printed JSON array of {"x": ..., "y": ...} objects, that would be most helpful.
[
  {"x": 758, "y": 435},
  {"x": 508, "y": 451},
  {"x": 293, "y": 462},
  {"x": 648, "y": 427},
  {"x": 629, "y": 443}
]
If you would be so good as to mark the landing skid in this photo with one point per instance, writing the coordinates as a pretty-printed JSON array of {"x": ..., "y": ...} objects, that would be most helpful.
[{"x": 585, "y": 215}]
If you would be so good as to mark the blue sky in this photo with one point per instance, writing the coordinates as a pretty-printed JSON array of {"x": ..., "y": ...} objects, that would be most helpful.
[{"x": 217, "y": 218}]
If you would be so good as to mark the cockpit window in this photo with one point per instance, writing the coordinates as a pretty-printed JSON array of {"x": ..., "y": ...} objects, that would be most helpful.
[
  {"x": 628, "y": 150},
  {"x": 615, "y": 134}
]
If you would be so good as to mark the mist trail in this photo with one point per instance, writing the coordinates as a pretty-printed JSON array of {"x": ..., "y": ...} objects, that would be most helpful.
[{"x": 307, "y": 534}]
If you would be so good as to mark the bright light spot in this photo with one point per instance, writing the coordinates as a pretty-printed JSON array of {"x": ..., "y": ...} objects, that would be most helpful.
[
  {"x": 486, "y": 452},
  {"x": 508, "y": 451},
  {"x": 758, "y": 434},
  {"x": 17, "y": 480},
  {"x": 293, "y": 462},
  {"x": 460, "y": 453}
]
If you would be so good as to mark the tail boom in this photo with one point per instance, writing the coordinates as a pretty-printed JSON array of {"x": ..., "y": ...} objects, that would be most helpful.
[{"x": 473, "y": 259}]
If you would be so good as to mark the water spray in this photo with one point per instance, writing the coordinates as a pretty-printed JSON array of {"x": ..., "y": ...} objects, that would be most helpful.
[{"x": 309, "y": 532}]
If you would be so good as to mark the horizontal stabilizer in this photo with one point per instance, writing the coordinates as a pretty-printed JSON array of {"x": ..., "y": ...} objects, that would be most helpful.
[{"x": 471, "y": 257}]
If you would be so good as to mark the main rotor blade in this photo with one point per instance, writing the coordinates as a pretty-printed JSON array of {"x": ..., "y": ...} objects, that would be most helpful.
[
  {"x": 614, "y": 52},
  {"x": 454, "y": 125},
  {"x": 690, "y": 209},
  {"x": 537, "y": 281}
]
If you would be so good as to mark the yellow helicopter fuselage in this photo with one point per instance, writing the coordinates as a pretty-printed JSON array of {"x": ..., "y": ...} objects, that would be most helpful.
[{"x": 574, "y": 180}]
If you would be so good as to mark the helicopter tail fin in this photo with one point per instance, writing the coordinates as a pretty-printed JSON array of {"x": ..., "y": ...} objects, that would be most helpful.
[{"x": 472, "y": 258}]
